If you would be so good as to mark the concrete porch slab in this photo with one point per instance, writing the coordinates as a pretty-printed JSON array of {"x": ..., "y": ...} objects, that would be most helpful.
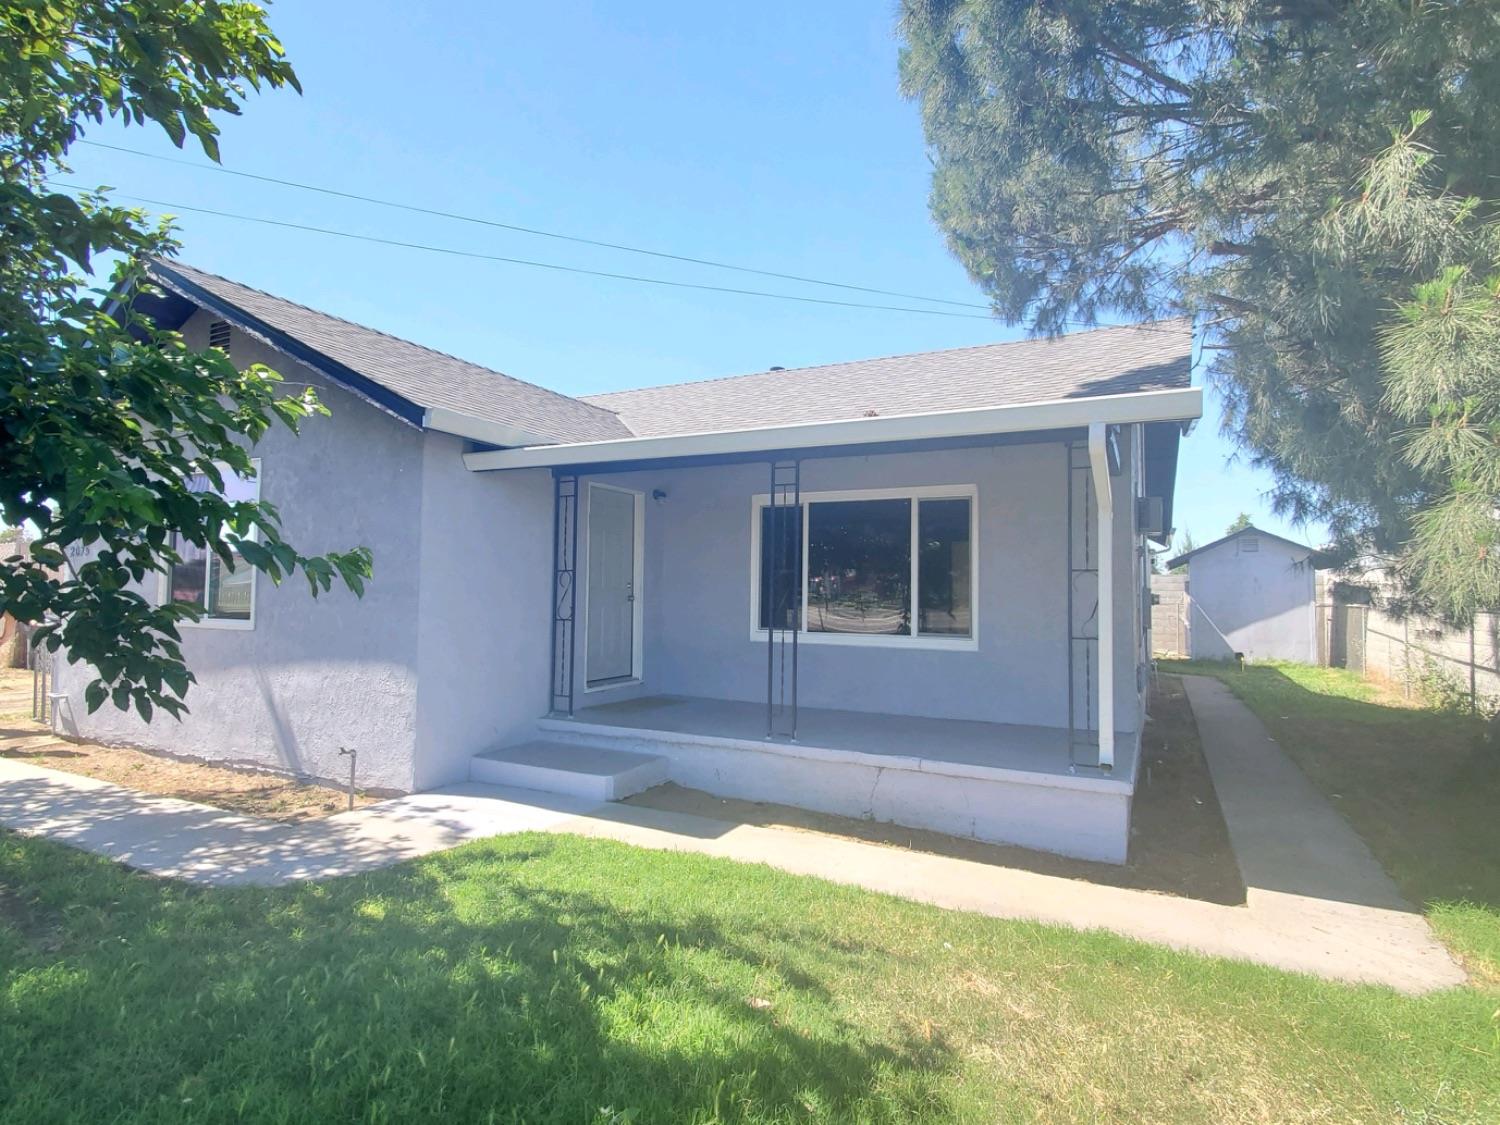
[
  {"x": 994, "y": 782},
  {"x": 956, "y": 747}
]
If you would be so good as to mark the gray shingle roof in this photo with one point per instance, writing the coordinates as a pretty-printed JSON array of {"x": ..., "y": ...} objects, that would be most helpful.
[
  {"x": 1103, "y": 361},
  {"x": 420, "y": 375}
]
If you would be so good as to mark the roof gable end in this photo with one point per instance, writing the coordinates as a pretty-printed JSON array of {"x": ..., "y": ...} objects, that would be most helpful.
[
  {"x": 420, "y": 385},
  {"x": 1173, "y": 564}
]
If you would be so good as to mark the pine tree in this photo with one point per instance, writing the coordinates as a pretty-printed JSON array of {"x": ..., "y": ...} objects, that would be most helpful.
[{"x": 1235, "y": 160}]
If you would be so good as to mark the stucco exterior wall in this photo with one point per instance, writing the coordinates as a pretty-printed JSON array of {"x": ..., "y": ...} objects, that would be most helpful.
[
  {"x": 448, "y": 652},
  {"x": 312, "y": 675},
  {"x": 484, "y": 620},
  {"x": 697, "y": 591},
  {"x": 1258, "y": 602}
]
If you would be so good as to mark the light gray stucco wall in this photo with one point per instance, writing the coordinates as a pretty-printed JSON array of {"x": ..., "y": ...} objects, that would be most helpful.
[
  {"x": 484, "y": 624},
  {"x": 313, "y": 674},
  {"x": 1259, "y": 603},
  {"x": 448, "y": 652},
  {"x": 698, "y": 597}
]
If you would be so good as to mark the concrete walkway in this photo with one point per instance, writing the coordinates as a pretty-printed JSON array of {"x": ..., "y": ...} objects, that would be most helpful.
[{"x": 1317, "y": 902}]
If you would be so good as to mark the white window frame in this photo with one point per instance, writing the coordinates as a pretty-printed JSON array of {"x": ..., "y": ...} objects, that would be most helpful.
[
  {"x": 914, "y": 640},
  {"x": 164, "y": 581}
]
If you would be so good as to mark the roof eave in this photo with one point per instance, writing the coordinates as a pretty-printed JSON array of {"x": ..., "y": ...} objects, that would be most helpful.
[
  {"x": 378, "y": 395},
  {"x": 1180, "y": 404},
  {"x": 361, "y": 386}
]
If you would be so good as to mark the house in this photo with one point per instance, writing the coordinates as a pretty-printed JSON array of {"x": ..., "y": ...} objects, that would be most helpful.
[
  {"x": 911, "y": 588},
  {"x": 1251, "y": 593}
]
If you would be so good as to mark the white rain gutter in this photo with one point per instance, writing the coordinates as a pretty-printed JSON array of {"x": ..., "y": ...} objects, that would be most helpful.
[
  {"x": 1104, "y": 504},
  {"x": 1057, "y": 414}
]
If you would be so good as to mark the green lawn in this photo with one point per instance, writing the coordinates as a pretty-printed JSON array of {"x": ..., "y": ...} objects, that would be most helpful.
[
  {"x": 1412, "y": 781},
  {"x": 549, "y": 978}
]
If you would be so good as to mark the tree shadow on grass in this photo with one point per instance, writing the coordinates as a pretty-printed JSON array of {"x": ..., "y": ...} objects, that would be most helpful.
[{"x": 494, "y": 983}]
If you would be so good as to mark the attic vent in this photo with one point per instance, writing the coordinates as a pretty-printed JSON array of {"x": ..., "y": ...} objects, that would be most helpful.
[
  {"x": 1249, "y": 545},
  {"x": 218, "y": 336}
]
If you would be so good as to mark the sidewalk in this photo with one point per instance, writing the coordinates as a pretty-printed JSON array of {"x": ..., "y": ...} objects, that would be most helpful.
[{"x": 1317, "y": 902}]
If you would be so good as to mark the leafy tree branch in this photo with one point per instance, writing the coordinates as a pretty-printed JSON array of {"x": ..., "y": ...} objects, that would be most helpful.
[{"x": 107, "y": 421}]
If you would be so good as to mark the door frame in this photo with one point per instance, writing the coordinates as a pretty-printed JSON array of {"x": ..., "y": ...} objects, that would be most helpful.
[{"x": 638, "y": 567}]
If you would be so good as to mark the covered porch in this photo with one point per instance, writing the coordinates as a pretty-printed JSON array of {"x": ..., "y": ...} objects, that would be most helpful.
[{"x": 942, "y": 631}]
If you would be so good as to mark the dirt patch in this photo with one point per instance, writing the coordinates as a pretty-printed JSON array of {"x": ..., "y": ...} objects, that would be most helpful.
[
  {"x": 250, "y": 793},
  {"x": 1178, "y": 842},
  {"x": 38, "y": 927},
  {"x": 15, "y": 693}
]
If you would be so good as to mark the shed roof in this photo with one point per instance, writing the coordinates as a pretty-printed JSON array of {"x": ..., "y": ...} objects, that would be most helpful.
[{"x": 1173, "y": 564}]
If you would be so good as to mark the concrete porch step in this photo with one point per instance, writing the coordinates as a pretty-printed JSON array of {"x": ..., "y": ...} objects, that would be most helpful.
[{"x": 563, "y": 767}]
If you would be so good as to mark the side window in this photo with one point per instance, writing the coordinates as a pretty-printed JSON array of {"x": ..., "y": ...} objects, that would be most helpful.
[{"x": 225, "y": 592}]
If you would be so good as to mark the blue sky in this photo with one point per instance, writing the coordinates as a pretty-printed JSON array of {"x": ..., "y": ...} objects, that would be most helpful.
[{"x": 768, "y": 135}]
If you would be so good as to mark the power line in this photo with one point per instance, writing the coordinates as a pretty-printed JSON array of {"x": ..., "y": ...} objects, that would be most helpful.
[
  {"x": 531, "y": 263},
  {"x": 531, "y": 230}
]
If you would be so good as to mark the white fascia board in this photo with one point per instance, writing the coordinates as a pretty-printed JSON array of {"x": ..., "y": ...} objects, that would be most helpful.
[
  {"x": 1056, "y": 414},
  {"x": 477, "y": 429}
]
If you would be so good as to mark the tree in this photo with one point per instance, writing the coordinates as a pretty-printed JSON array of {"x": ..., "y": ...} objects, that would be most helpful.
[
  {"x": 1177, "y": 156},
  {"x": 1239, "y": 523},
  {"x": 108, "y": 421},
  {"x": 1183, "y": 546},
  {"x": 1442, "y": 371}
]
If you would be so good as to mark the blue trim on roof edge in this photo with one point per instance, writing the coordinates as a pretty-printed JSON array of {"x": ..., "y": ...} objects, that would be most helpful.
[{"x": 351, "y": 380}]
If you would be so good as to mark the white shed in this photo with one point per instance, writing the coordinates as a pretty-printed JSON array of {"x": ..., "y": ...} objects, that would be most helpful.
[{"x": 1251, "y": 593}]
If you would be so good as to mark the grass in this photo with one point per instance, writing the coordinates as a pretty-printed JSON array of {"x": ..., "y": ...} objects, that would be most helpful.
[
  {"x": 550, "y": 978},
  {"x": 1413, "y": 782}
]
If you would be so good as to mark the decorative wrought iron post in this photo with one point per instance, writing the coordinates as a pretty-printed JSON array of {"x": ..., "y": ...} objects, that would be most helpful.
[
  {"x": 783, "y": 598},
  {"x": 564, "y": 588},
  {"x": 1083, "y": 604}
]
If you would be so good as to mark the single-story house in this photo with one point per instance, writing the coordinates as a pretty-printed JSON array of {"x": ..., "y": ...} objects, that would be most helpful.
[
  {"x": 911, "y": 588},
  {"x": 1253, "y": 594}
]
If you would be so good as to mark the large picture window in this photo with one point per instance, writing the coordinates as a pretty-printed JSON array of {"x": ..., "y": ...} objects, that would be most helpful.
[
  {"x": 225, "y": 592},
  {"x": 879, "y": 567}
]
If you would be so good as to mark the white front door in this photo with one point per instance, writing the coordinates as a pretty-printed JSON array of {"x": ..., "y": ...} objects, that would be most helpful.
[{"x": 612, "y": 585}]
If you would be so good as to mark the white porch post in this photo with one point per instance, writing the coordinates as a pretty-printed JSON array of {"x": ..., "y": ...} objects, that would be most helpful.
[{"x": 1104, "y": 503}]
